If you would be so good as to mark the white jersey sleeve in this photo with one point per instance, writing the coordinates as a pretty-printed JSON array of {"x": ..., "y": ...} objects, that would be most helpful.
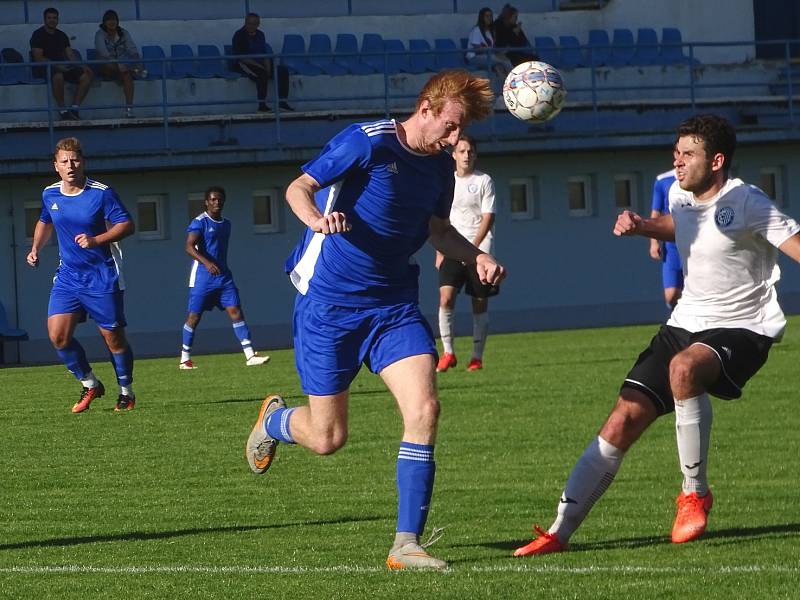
[{"x": 766, "y": 220}]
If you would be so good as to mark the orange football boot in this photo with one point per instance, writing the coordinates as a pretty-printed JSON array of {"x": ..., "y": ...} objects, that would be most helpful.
[
  {"x": 87, "y": 395},
  {"x": 692, "y": 517},
  {"x": 475, "y": 364},
  {"x": 544, "y": 544},
  {"x": 447, "y": 361}
]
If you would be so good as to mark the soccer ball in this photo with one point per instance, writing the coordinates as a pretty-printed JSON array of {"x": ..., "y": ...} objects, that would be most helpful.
[{"x": 534, "y": 91}]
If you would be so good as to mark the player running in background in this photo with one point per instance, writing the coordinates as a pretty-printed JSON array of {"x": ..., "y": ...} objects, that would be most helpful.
[
  {"x": 370, "y": 200},
  {"x": 666, "y": 252},
  {"x": 716, "y": 339},
  {"x": 211, "y": 281},
  {"x": 88, "y": 218},
  {"x": 472, "y": 214}
]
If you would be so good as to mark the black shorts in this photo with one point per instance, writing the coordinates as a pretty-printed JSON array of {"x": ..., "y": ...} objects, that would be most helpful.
[
  {"x": 73, "y": 74},
  {"x": 741, "y": 354},
  {"x": 456, "y": 274}
]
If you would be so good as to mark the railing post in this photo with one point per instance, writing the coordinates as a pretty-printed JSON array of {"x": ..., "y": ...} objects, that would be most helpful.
[
  {"x": 789, "y": 81},
  {"x": 164, "y": 102},
  {"x": 50, "y": 127}
]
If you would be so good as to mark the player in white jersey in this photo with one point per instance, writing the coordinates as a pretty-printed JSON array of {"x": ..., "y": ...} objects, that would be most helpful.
[
  {"x": 88, "y": 218},
  {"x": 717, "y": 338},
  {"x": 370, "y": 200},
  {"x": 472, "y": 214}
]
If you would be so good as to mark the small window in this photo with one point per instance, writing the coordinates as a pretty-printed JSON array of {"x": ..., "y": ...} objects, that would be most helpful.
[
  {"x": 150, "y": 216},
  {"x": 196, "y": 204},
  {"x": 266, "y": 211},
  {"x": 579, "y": 194},
  {"x": 522, "y": 199},
  {"x": 626, "y": 192},
  {"x": 771, "y": 183}
]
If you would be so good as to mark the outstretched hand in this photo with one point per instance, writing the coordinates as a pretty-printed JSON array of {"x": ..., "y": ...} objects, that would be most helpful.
[
  {"x": 627, "y": 223},
  {"x": 335, "y": 222}
]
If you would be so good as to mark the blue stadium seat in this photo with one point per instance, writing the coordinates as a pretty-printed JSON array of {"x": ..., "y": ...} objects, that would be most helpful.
[
  {"x": 571, "y": 53},
  {"x": 546, "y": 50},
  {"x": 295, "y": 44},
  {"x": 420, "y": 58},
  {"x": 599, "y": 47},
  {"x": 150, "y": 56},
  {"x": 11, "y": 72},
  {"x": 372, "y": 51},
  {"x": 182, "y": 68},
  {"x": 671, "y": 48},
  {"x": 396, "y": 57},
  {"x": 646, "y": 48},
  {"x": 6, "y": 331},
  {"x": 448, "y": 56},
  {"x": 348, "y": 57},
  {"x": 213, "y": 66},
  {"x": 320, "y": 55},
  {"x": 623, "y": 48}
]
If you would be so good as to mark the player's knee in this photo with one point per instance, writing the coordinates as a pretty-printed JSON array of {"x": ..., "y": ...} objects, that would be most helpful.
[
  {"x": 632, "y": 414},
  {"x": 59, "y": 339},
  {"x": 424, "y": 416},
  {"x": 682, "y": 370},
  {"x": 328, "y": 443}
]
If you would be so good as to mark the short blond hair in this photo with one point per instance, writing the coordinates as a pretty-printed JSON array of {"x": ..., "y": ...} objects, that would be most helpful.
[
  {"x": 458, "y": 85},
  {"x": 69, "y": 144}
]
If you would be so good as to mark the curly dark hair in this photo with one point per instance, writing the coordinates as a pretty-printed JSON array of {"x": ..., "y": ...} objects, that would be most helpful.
[{"x": 717, "y": 134}]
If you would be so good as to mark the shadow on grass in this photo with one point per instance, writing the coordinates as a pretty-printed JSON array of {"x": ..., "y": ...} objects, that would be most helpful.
[
  {"x": 134, "y": 536},
  {"x": 718, "y": 536}
]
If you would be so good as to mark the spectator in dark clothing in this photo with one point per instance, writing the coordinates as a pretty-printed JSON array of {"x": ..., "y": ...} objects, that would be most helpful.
[
  {"x": 250, "y": 40},
  {"x": 49, "y": 43},
  {"x": 508, "y": 34}
]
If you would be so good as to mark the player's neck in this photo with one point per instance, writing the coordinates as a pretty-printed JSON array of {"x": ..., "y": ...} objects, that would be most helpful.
[
  {"x": 464, "y": 172},
  {"x": 72, "y": 189},
  {"x": 712, "y": 191},
  {"x": 408, "y": 134}
]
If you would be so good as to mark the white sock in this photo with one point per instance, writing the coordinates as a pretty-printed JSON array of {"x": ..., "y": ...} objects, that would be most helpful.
[
  {"x": 127, "y": 390},
  {"x": 249, "y": 353},
  {"x": 185, "y": 356},
  {"x": 480, "y": 329},
  {"x": 446, "y": 328},
  {"x": 588, "y": 481},
  {"x": 90, "y": 381},
  {"x": 693, "y": 418}
]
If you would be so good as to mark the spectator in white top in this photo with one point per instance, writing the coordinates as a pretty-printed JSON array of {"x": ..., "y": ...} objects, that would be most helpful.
[{"x": 481, "y": 43}]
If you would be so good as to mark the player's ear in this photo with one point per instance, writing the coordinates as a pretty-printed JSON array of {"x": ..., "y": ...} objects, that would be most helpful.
[{"x": 718, "y": 161}]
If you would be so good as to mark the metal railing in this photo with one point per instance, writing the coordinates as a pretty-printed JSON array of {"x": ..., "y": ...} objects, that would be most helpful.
[{"x": 597, "y": 93}]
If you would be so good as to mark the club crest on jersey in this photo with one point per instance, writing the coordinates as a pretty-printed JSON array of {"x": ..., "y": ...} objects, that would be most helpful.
[
  {"x": 392, "y": 168},
  {"x": 473, "y": 188},
  {"x": 724, "y": 216}
]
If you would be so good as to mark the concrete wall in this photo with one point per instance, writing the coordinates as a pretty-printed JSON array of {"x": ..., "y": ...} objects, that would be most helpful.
[{"x": 564, "y": 271}]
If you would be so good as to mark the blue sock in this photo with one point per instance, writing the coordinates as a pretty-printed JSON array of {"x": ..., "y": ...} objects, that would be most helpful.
[
  {"x": 277, "y": 425},
  {"x": 123, "y": 366},
  {"x": 188, "y": 337},
  {"x": 242, "y": 332},
  {"x": 74, "y": 358},
  {"x": 415, "y": 474}
]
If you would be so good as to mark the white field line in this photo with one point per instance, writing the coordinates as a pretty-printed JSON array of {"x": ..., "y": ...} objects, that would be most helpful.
[{"x": 516, "y": 568}]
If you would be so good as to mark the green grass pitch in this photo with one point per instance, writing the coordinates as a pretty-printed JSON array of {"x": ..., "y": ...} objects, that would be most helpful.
[{"x": 160, "y": 503}]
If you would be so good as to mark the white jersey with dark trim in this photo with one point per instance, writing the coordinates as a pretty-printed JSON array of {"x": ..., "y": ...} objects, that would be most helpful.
[
  {"x": 473, "y": 196},
  {"x": 728, "y": 247}
]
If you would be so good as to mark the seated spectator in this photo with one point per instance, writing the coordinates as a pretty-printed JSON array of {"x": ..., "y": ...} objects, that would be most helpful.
[
  {"x": 49, "y": 43},
  {"x": 481, "y": 42},
  {"x": 250, "y": 40},
  {"x": 508, "y": 34},
  {"x": 113, "y": 42}
]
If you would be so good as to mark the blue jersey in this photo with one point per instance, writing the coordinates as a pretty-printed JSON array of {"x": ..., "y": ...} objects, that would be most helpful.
[
  {"x": 96, "y": 269},
  {"x": 388, "y": 193},
  {"x": 213, "y": 243},
  {"x": 661, "y": 187}
]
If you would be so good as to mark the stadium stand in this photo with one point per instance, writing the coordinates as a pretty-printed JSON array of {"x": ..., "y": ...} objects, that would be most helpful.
[
  {"x": 321, "y": 55},
  {"x": 182, "y": 68},
  {"x": 396, "y": 57},
  {"x": 154, "y": 66},
  {"x": 623, "y": 48},
  {"x": 672, "y": 48},
  {"x": 12, "y": 72},
  {"x": 348, "y": 56},
  {"x": 547, "y": 50},
  {"x": 599, "y": 48},
  {"x": 294, "y": 51},
  {"x": 8, "y": 333},
  {"x": 213, "y": 68},
  {"x": 448, "y": 56},
  {"x": 571, "y": 52},
  {"x": 372, "y": 51},
  {"x": 420, "y": 58},
  {"x": 646, "y": 48}
]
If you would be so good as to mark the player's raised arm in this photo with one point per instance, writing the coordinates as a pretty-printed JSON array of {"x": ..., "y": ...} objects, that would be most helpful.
[
  {"x": 791, "y": 247},
  {"x": 41, "y": 235},
  {"x": 300, "y": 197},
  {"x": 660, "y": 228}
]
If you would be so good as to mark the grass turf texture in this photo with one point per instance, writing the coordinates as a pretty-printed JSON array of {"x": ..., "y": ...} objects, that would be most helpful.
[{"x": 160, "y": 503}]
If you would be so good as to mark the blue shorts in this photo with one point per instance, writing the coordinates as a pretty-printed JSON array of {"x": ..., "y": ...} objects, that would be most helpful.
[
  {"x": 208, "y": 298},
  {"x": 331, "y": 342},
  {"x": 105, "y": 308},
  {"x": 671, "y": 277}
]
